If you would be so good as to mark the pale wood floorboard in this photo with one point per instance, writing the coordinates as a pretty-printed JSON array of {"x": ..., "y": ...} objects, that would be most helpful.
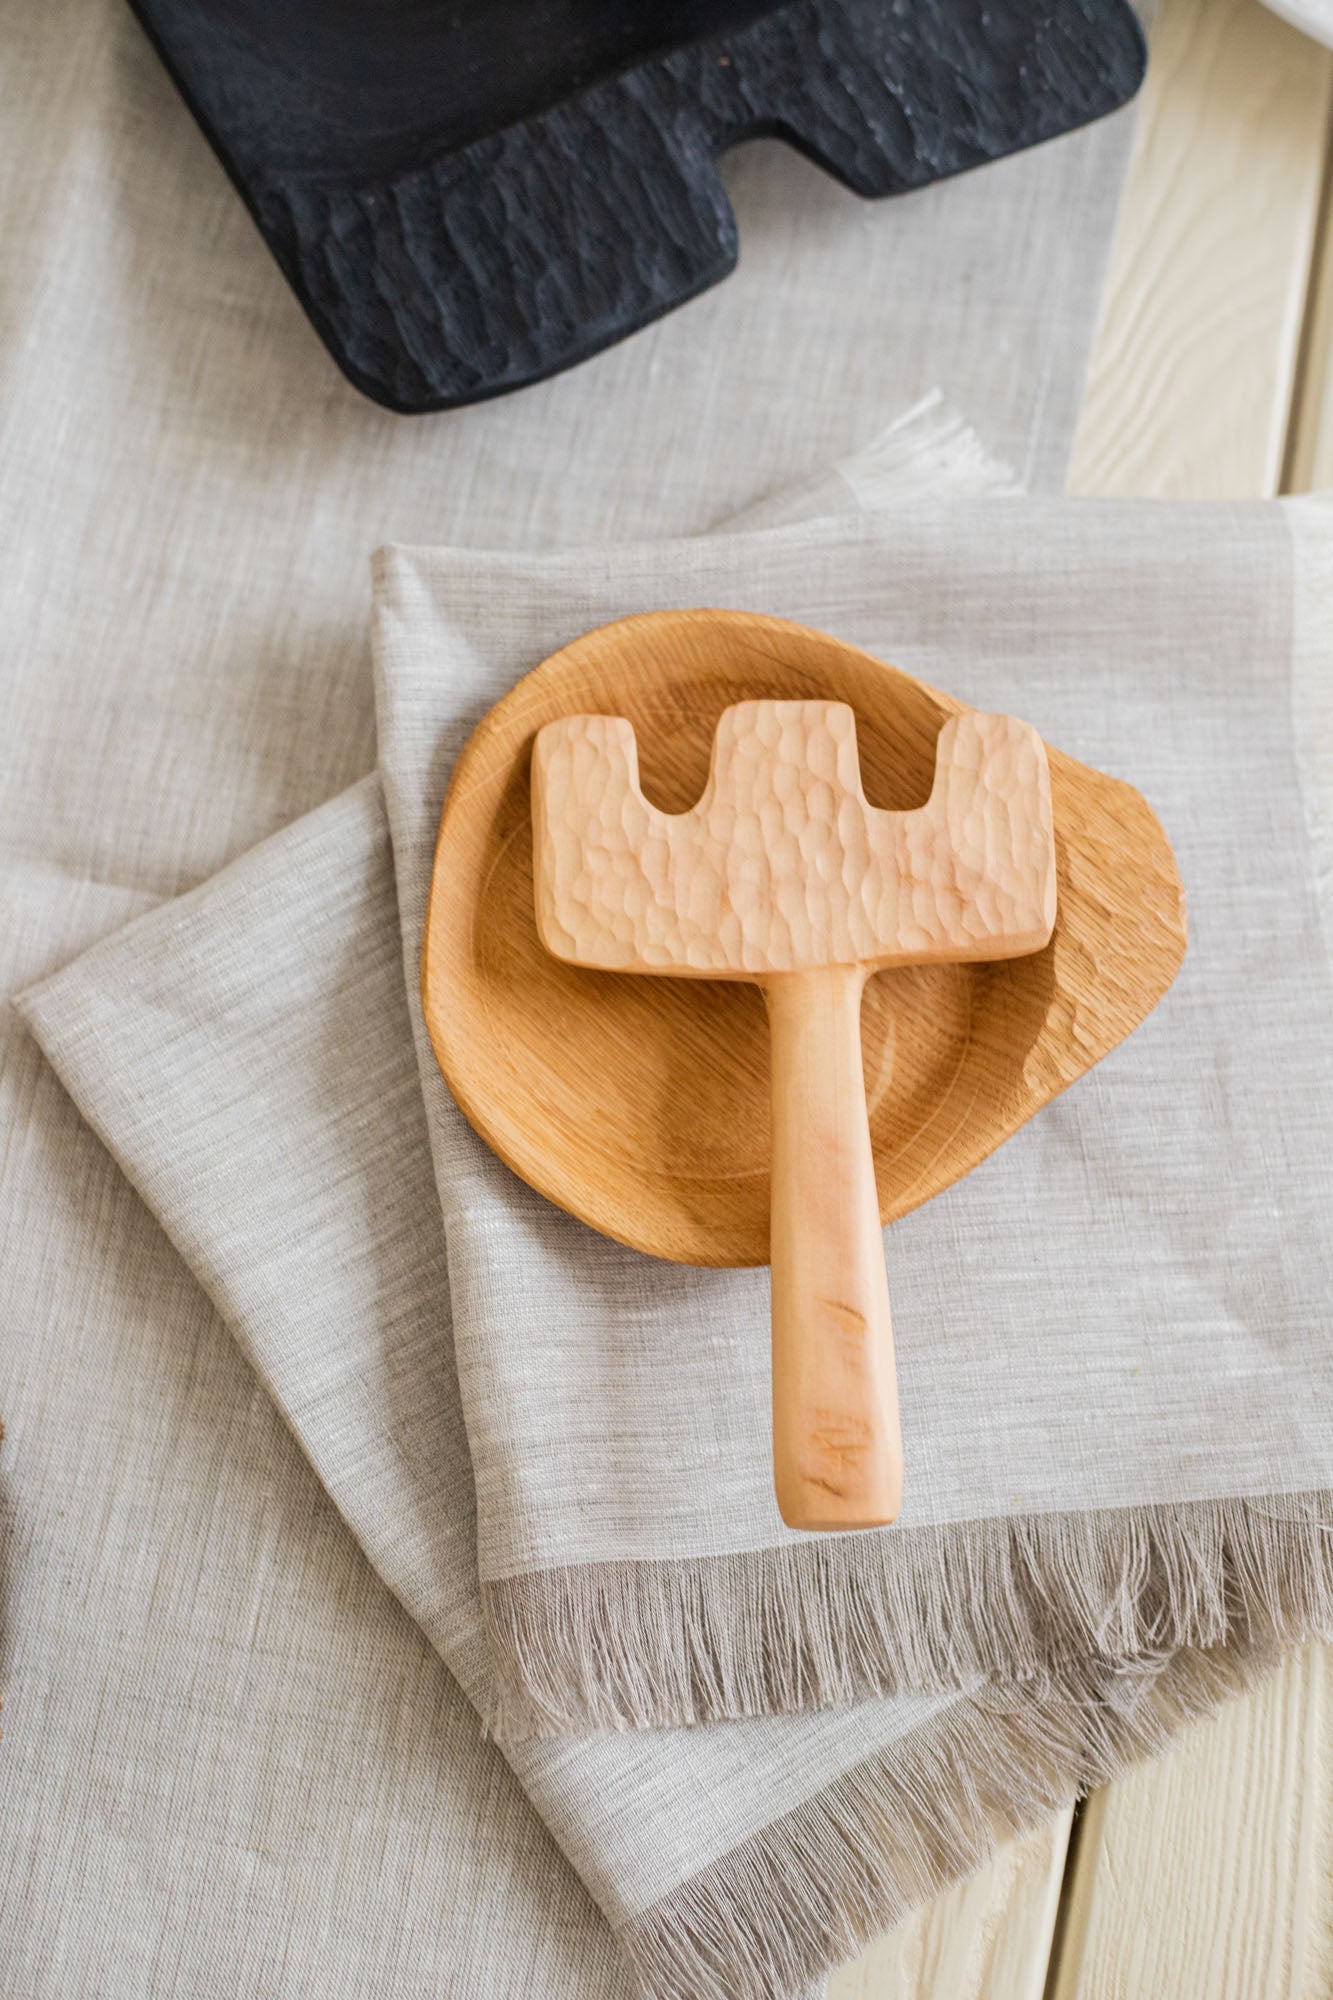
[
  {"x": 1214, "y": 1879},
  {"x": 988, "y": 1939},
  {"x": 1192, "y": 372}
]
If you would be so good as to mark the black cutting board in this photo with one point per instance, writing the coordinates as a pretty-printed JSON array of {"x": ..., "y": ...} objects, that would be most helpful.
[{"x": 467, "y": 197}]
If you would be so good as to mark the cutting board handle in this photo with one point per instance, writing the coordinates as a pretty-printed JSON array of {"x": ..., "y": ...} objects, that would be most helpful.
[{"x": 837, "y": 1447}]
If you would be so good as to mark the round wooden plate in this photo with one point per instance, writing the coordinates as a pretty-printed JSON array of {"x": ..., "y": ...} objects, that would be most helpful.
[{"x": 641, "y": 1104}]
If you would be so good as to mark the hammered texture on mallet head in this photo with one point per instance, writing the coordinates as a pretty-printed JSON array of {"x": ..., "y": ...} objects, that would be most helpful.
[{"x": 783, "y": 866}]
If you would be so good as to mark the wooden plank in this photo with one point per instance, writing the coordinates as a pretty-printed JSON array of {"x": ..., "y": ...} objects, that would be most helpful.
[
  {"x": 1215, "y": 1874},
  {"x": 988, "y": 1939},
  {"x": 1194, "y": 362}
]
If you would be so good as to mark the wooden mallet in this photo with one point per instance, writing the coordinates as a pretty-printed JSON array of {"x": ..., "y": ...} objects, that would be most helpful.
[{"x": 783, "y": 875}]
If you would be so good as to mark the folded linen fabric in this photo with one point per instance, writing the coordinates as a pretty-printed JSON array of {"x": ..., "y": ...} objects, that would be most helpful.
[
  {"x": 926, "y": 446},
  {"x": 1111, "y": 1336},
  {"x": 247, "y": 1054}
]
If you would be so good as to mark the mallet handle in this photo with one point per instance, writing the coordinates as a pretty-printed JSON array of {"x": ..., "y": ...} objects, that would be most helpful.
[{"x": 837, "y": 1447}]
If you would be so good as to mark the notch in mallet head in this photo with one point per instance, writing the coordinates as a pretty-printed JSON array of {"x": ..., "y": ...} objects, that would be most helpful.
[{"x": 784, "y": 875}]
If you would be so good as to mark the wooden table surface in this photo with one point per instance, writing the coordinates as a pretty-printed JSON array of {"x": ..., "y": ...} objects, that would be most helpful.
[{"x": 1207, "y": 1875}]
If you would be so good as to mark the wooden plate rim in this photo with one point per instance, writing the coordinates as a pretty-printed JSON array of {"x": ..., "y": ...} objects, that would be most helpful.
[{"x": 476, "y": 767}]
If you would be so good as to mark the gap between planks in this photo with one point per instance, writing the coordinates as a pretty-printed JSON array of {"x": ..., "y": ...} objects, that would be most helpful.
[{"x": 1307, "y": 460}]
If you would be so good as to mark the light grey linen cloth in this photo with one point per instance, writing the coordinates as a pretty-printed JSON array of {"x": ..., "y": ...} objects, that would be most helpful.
[
  {"x": 363, "y": 1306},
  {"x": 247, "y": 1053},
  {"x": 1112, "y": 1337},
  {"x": 232, "y": 1765}
]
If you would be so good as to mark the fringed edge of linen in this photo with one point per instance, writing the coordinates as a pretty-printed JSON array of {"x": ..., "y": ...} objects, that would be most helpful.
[
  {"x": 817, "y": 1885},
  {"x": 928, "y": 453},
  {"x": 641, "y": 1645}
]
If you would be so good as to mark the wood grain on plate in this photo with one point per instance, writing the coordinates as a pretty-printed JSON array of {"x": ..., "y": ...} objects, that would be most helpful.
[{"x": 642, "y": 1105}]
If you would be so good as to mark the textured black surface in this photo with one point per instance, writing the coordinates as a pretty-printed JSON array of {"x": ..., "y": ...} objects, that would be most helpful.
[{"x": 469, "y": 198}]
